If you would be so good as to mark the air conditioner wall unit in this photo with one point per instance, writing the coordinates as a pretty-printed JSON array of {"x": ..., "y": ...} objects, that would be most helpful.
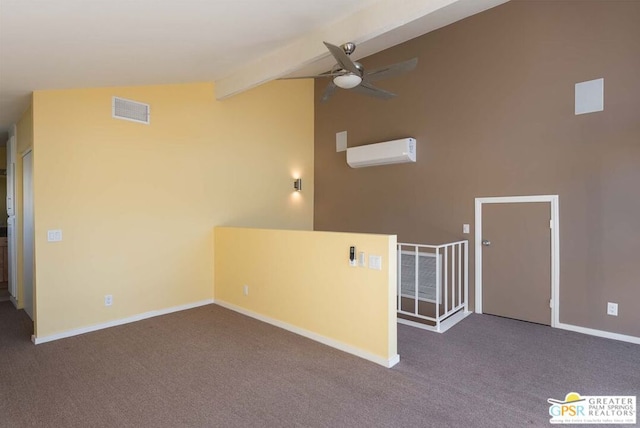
[{"x": 389, "y": 152}]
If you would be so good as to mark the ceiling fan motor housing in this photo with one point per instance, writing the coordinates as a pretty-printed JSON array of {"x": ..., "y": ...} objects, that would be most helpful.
[
  {"x": 337, "y": 69},
  {"x": 348, "y": 48}
]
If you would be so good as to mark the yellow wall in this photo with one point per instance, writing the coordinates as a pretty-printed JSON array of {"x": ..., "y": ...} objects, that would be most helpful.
[
  {"x": 137, "y": 203},
  {"x": 24, "y": 142},
  {"x": 303, "y": 279}
]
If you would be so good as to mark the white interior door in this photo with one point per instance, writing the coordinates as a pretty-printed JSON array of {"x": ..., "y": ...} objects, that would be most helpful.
[
  {"x": 11, "y": 167},
  {"x": 11, "y": 220},
  {"x": 12, "y": 259},
  {"x": 27, "y": 231}
]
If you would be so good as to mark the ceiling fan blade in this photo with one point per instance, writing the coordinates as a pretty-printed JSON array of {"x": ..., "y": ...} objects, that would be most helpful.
[
  {"x": 391, "y": 70},
  {"x": 342, "y": 58},
  {"x": 315, "y": 76},
  {"x": 329, "y": 90},
  {"x": 372, "y": 91}
]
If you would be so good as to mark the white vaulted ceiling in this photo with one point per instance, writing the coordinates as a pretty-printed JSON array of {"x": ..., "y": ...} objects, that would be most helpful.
[{"x": 58, "y": 44}]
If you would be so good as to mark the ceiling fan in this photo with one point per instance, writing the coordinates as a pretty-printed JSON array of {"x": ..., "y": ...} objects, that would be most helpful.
[{"x": 349, "y": 74}]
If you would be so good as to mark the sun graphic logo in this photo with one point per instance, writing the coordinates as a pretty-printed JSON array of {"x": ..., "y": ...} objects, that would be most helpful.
[{"x": 577, "y": 409}]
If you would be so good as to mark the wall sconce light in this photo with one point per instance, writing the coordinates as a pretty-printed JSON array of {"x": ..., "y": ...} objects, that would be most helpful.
[{"x": 298, "y": 184}]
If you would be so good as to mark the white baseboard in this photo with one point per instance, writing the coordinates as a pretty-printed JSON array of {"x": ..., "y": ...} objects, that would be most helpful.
[
  {"x": 392, "y": 361},
  {"x": 134, "y": 318},
  {"x": 14, "y": 301},
  {"x": 388, "y": 363},
  {"x": 417, "y": 325},
  {"x": 599, "y": 333},
  {"x": 453, "y": 320},
  {"x": 444, "y": 325}
]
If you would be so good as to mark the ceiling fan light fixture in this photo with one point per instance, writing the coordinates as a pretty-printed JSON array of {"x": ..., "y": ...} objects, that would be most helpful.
[{"x": 347, "y": 81}]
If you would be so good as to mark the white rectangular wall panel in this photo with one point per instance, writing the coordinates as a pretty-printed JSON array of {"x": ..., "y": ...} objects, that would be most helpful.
[
  {"x": 589, "y": 96},
  {"x": 341, "y": 141}
]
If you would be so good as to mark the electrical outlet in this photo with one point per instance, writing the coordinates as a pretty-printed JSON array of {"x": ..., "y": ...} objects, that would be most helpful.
[
  {"x": 612, "y": 309},
  {"x": 108, "y": 300},
  {"x": 245, "y": 290}
]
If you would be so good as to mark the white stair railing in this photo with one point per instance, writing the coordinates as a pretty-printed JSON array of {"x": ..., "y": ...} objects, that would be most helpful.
[{"x": 433, "y": 284}]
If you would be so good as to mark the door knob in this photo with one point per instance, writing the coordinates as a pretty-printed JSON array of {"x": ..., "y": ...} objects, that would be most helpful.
[{"x": 486, "y": 242}]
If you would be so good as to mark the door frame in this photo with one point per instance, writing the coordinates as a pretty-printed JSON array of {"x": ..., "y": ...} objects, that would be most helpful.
[
  {"x": 554, "y": 225},
  {"x": 28, "y": 246},
  {"x": 11, "y": 216}
]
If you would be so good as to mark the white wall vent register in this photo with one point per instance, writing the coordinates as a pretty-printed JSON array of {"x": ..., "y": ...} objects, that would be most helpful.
[
  {"x": 389, "y": 152},
  {"x": 428, "y": 265},
  {"x": 130, "y": 110}
]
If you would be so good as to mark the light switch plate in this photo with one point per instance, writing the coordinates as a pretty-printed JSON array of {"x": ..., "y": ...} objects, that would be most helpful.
[
  {"x": 54, "y": 235},
  {"x": 361, "y": 259},
  {"x": 465, "y": 228},
  {"x": 375, "y": 262}
]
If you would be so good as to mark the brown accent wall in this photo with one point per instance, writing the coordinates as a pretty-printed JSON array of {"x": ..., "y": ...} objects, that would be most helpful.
[{"x": 491, "y": 105}]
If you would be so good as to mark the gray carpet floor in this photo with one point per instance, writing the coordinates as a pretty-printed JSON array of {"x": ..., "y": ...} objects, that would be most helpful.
[
  {"x": 211, "y": 367},
  {"x": 4, "y": 293}
]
